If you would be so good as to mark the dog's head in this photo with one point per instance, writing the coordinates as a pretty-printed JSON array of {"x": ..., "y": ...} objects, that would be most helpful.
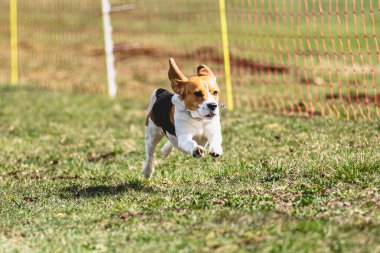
[{"x": 199, "y": 93}]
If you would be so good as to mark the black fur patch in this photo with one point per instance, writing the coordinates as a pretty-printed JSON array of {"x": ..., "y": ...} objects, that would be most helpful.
[{"x": 161, "y": 111}]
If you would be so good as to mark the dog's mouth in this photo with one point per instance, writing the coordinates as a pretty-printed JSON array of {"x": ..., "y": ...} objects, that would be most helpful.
[{"x": 210, "y": 115}]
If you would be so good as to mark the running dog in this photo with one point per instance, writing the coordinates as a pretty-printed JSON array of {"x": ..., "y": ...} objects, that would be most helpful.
[{"x": 189, "y": 118}]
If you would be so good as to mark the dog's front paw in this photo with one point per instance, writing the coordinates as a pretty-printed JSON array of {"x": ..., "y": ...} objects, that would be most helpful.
[
  {"x": 199, "y": 151},
  {"x": 215, "y": 151}
]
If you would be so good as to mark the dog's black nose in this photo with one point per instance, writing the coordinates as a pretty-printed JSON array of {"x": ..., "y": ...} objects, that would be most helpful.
[{"x": 212, "y": 106}]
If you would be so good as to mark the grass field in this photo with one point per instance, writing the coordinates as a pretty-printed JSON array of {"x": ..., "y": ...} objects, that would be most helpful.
[
  {"x": 70, "y": 163},
  {"x": 70, "y": 182}
]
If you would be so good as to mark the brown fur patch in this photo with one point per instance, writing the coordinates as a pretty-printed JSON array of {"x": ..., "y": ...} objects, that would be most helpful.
[
  {"x": 151, "y": 116},
  {"x": 190, "y": 88},
  {"x": 199, "y": 84},
  {"x": 172, "y": 116}
]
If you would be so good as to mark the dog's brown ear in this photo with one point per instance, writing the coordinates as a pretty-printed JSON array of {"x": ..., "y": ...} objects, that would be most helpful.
[
  {"x": 177, "y": 79},
  {"x": 179, "y": 87},
  {"x": 174, "y": 72},
  {"x": 203, "y": 70}
]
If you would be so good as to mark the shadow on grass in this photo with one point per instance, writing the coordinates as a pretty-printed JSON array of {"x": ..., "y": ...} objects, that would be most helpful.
[{"x": 76, "y": 191}]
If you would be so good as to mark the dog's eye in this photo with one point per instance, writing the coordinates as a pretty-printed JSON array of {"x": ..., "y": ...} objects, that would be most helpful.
[
  {"x": 198, "y": 94},
  {"x": 215, "y": 93}
]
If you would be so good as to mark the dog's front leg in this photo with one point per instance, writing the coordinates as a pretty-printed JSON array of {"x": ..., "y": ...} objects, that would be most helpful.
[
  {"x": 215, "y": 148},
  {"x": 189, "y": 146}
]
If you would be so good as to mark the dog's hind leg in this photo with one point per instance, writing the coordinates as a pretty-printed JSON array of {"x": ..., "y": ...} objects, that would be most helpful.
[
  {"x": 153, "y": 135},
  {"x": 166, "y": 149}
]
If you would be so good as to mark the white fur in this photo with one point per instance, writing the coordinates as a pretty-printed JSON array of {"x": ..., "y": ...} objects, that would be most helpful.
[
  {"x": 166, "y": 149},
  {"x": 151, "y": 101},
  {"x": 192, "y": 132},
  {"x": 153, "y": 136}
]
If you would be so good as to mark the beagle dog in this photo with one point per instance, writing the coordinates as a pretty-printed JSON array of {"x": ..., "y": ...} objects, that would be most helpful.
[{"x": 189, "y": 118}]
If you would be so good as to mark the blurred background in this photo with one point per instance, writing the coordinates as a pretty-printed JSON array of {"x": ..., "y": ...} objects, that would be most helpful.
[{"x": 307, "y": 58}]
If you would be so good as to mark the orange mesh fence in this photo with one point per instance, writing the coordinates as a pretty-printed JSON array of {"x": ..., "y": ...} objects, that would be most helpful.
[
  {"x": 297, "y": 57},
  {"x": 307, "y": 57},
  {"x": 312, "y": 57}
]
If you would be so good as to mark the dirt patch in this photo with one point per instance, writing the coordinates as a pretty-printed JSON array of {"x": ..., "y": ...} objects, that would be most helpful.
[
  {"x": 92, "y": 157},
  {"x": 130, "y": 214},
  {"x": 65, "y": 177},
  {"x": 360, "y": 98},
  {"x": 127, "y": 51}
]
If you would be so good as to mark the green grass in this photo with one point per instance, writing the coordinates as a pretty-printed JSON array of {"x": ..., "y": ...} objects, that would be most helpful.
[{"x": 70, "y": 182}]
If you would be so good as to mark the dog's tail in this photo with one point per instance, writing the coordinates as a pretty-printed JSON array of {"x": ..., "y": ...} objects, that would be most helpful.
[{"x": 151, "y": 102}]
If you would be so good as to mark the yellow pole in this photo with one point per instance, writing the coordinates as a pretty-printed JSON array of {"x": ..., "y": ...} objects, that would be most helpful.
[
  {"x": 13, "y": 29},
  {"x": 226, "y": 53}
]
